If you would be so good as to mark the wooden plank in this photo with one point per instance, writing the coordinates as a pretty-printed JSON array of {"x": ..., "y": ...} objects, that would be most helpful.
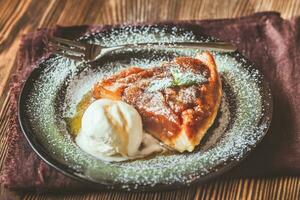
[
  {"x": 19, "y": 17},
  {"x": 256, "y": 191}
]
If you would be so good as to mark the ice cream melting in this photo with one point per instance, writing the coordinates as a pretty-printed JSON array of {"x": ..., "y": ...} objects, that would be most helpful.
[{"x": 112, "y": 131}]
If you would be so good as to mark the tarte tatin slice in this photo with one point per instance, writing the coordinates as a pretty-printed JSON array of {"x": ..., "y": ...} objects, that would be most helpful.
[{"x": 178, "y": 101}]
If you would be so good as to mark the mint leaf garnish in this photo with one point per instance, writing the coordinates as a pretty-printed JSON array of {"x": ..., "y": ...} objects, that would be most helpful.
[{"x": 179, "y": 78}]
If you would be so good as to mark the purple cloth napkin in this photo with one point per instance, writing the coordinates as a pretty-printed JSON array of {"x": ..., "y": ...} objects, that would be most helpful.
[{"x": 269, "y": 41}]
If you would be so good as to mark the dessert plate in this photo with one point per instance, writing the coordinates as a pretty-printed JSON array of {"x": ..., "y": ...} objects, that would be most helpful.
[{"x": 55, "y": 87}]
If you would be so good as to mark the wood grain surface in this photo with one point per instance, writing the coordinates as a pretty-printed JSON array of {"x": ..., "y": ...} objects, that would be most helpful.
[{"x": 19, "y": 17}]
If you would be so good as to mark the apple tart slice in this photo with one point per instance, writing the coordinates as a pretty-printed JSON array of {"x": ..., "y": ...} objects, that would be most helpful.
[{"x": 178, "y": 101}]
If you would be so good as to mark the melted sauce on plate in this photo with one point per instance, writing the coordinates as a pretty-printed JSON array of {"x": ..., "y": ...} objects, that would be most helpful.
[{"x": 74, "y": 123}]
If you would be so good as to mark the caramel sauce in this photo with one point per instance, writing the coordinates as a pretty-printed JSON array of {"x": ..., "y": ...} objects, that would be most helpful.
[{"x": 74, "y": 123}]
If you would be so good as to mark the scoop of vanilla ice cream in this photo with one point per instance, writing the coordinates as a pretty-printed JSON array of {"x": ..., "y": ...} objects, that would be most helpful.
[{"x": 112, "y": 131}]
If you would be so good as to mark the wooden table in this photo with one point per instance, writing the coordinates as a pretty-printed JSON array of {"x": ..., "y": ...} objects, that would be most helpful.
[{"x": 19, "y": 17}]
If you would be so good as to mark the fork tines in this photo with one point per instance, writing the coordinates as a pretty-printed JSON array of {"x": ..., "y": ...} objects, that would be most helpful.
[{"x": 70, "y": 49}]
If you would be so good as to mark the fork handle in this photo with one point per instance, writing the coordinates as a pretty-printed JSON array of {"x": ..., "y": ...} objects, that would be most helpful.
[{"x": 213, "y": 46}]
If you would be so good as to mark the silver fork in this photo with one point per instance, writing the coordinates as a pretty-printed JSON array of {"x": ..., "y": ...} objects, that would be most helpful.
[{"x": 81, "y": 51}]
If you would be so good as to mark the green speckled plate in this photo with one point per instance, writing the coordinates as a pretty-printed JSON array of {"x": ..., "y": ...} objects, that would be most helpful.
[{"x": 55, "y": 87}]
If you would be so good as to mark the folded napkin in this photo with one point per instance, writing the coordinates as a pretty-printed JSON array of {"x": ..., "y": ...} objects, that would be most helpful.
[{"x": 269, "y": 41}]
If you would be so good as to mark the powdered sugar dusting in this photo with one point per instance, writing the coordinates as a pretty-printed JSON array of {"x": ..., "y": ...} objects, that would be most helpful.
[{"x": 63, "y": 83}]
